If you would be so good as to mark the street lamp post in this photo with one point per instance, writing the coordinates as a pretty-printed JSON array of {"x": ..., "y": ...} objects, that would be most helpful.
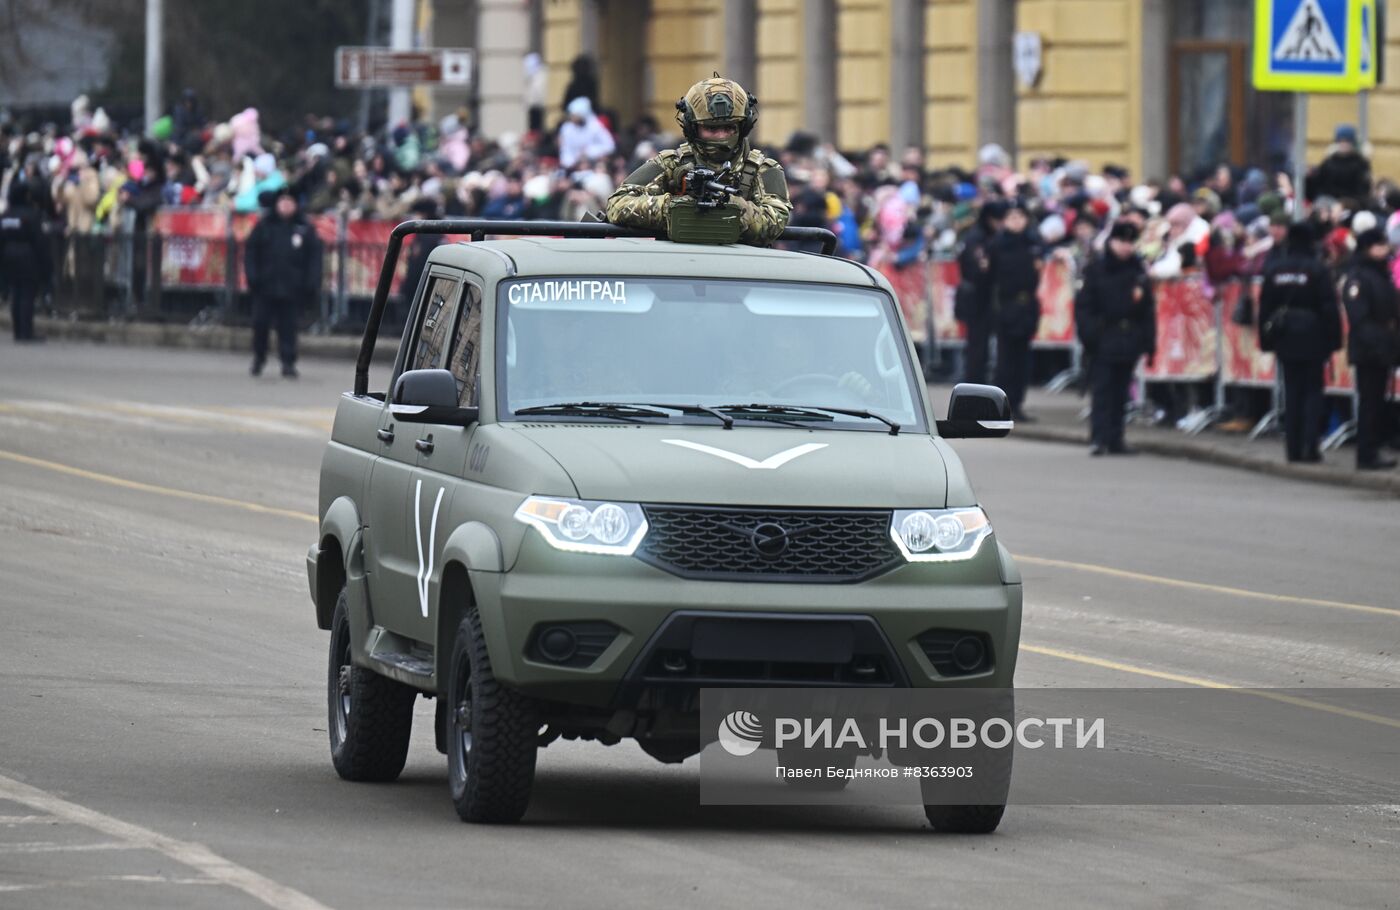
[{"x": 155, "y": 60}]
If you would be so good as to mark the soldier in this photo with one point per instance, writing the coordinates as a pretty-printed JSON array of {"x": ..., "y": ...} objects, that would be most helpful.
[
  {"x": 1117, "y": 319},
  {"x": 973, "y": 305},
  {"x": 716, "y": 116},
  {"x": 1299, "y": 322},
  {"x": 282, "y": 260},
  {"x": 1373, "y": 347}
]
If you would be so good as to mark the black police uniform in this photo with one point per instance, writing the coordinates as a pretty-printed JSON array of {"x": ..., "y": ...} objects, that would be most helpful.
[
  {"x": 1373, "y": 346},
  {"x": 25, "y": 266},
  {"x": 1116, "y": 316},
  {"x": 282, "y": 260},
  {"x": 973, "y": 305},
  {"x": 1300, "y": 323},
  {"x": 1016, "y": 272}
]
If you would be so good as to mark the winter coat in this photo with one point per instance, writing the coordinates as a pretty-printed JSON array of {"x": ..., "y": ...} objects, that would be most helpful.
[
  {"x": 282, "y": 259},
  {"x": 1115, "y": 310},
  {"x": 1298, "y": 315},
  {"x": 1373, "y": 314},
  {"x": 1016, "y": 260}
]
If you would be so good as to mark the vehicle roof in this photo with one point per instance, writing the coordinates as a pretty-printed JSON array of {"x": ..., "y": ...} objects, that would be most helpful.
[{"x": 495, "y": 259}]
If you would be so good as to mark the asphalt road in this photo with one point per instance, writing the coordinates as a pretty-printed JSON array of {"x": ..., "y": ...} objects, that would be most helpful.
[{"x": 162, "y": 719}]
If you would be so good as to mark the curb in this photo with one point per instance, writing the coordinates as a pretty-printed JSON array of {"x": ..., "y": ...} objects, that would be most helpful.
[
  {"x": 181, "y": 336},
  {"x": 1219, "y": 455}
]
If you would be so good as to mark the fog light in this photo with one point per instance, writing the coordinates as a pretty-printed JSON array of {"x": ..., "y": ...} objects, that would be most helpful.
[
  {"x": 969, "y": 653},
  {"x": 557, "y": 644}
]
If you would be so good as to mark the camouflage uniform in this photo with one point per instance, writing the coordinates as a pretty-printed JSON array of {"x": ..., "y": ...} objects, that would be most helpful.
[{"x": 645, "y": 197}]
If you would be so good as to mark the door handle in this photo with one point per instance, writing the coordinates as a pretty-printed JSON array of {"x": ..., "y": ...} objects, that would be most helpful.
[
  {"x": 386, "y": 436},
  {"x": 424, "y": 445}
]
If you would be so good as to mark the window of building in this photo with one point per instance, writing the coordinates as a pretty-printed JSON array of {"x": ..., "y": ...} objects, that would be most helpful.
[{"x": 1216, "y": 115}]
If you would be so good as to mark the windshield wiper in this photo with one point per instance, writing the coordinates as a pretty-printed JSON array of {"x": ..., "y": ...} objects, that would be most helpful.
[
  {"x": 695, "y": 409},
  {"x": 614, "y": 410},
  {"x": 627, "y": 410},
  {"x": 804, "y": 412}
]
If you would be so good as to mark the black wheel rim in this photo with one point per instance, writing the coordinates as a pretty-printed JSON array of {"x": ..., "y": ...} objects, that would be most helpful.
[
  {"x": 340, "y": 692},
  {"x": 460, "y": 721}
]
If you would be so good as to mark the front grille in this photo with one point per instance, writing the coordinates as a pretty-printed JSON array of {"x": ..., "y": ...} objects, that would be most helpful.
[{"x": 793, "y": 545}]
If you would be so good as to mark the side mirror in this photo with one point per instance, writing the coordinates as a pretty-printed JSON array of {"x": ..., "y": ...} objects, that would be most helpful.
[
  {"x": 430, "y": 396},
  {"x": 976, "y": 412}
]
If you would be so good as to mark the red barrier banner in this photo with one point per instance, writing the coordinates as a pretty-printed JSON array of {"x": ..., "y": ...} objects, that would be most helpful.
[
  {"x": 1244, "y": 363},
  {"x": 1056, "y": 295},
  {"x": 194, "y": 251},
  {"x": 1185, "y": 332},
  {"x": 945, "y": 276},
  {"x": 913, "y": 291}
]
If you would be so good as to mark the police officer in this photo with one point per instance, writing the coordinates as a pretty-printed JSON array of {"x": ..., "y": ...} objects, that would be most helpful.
[
  {"x": 716, "y": 116},
  {"x": 1116, "y": 315},
  {"x": 25, "y": 267},
  {"x": 973, "y": 304},
  {"x": 1373, "y": 346},
  {"x": 282, "y": 260},
  {"x": 1016, "y": 262},
  {"x": 1299, "y": 322}
]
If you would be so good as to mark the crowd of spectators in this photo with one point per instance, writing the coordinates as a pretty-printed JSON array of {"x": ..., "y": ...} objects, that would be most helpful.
[{"x": 886, "y": 208}]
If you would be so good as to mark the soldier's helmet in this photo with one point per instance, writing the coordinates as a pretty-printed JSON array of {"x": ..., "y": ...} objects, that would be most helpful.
[{"x": 713, "y": 102}]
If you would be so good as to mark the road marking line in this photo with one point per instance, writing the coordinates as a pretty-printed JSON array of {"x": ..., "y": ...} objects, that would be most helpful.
[
  {"x": 153, "y": 488},
  {"x": 1202, "y": 586},
  {"x": 1213, "y": 684},
  {"x": 196, "y": 856},
  {"x": 25, "y": 819},
  {"x": 46, "y": 846}
]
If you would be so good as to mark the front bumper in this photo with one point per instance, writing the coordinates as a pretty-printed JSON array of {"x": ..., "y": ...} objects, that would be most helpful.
[{"x": 550, "y": 586}]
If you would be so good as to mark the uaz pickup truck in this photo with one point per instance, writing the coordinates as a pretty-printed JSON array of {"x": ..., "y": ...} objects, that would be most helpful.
[{"x": 610, "y": 470}]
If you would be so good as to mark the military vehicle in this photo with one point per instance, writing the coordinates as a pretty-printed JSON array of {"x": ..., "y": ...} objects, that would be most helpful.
[{"x": 610, "y": 470}]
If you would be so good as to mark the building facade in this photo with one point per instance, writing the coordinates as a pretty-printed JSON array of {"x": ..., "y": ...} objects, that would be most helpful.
[{"x": 1158, "y": 86}]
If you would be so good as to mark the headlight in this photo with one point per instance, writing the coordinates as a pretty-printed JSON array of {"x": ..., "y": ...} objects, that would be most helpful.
[
  {"x": 939, "y": 535},
  {"x": 614, "y": 528}
]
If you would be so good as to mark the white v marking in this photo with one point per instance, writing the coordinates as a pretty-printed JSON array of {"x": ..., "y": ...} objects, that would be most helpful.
[
  {"x": 425, "y": 570},
  {"x": 771, "y": 463}
]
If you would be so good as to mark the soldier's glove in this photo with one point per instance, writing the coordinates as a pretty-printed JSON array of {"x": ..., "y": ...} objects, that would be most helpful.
[{"x": 856, "y": 383}]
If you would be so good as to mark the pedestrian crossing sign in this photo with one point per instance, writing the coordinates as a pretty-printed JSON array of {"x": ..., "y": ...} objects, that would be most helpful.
[{"x": 1314, "y": 45}]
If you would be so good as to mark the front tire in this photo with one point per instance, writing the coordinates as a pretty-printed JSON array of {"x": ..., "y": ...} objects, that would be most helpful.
[
  {"x": 370, "y": 716},
  {"x": 493, "y": 735}
]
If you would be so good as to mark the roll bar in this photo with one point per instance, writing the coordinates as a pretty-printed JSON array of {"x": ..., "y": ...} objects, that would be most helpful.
[{"x": 478, "y": 229}]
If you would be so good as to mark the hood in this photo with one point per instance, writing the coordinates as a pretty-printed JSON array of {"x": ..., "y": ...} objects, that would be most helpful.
[{"x": 760, "y": 466}]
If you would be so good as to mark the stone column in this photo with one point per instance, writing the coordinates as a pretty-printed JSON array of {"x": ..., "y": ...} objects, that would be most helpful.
[
  {"x": 504, "y": 30},
  {"x": 1156, "y": 27},
  {"x": 740, "y": 44},
  {"x": 906, "y": 74},
  {"x": 996, "y": 80},
  {"x": 819, "y": 68}
]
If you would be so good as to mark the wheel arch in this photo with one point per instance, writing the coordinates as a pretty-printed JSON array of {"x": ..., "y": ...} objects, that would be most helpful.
[{"x": 338, "y": 558}]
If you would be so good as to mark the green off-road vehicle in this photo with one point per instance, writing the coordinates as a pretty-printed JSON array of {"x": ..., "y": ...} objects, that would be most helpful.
[{"x": 610, "y": 471}]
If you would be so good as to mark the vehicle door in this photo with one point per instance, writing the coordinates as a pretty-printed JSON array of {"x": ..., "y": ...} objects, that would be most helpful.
[
  {"x": 443, "y": 455},
  {"x": 400, "y": 504}
]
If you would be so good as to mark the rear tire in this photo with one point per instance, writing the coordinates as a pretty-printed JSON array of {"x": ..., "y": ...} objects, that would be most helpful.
[
  {"x": 370, "y": 716},
  {"x": 493, "y": 735}
]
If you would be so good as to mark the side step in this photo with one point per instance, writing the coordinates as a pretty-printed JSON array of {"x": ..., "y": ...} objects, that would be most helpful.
[{"x": 402, "y": 659}]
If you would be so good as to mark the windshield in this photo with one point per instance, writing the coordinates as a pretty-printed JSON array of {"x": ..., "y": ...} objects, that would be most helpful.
[{"x": 709, "y": 343}]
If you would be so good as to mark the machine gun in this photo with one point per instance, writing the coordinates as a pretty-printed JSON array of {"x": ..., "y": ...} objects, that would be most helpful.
[{"x": 707, "y": 187}]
